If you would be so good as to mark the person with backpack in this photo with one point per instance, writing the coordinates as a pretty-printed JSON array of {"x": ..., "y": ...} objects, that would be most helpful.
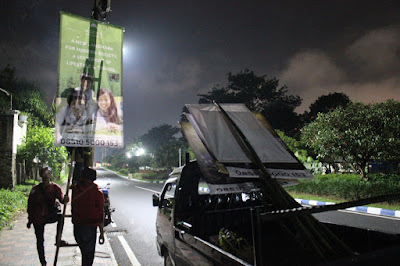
[{"x": 43, "y": 209}]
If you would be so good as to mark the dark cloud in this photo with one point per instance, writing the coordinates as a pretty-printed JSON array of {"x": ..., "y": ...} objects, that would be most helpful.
[
  {"x": 367, "y": 72},
  {"x": 376, "y": 54}
]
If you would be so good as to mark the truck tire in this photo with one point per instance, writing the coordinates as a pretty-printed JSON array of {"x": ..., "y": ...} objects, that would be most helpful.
[{"x": 167, "y": 260}]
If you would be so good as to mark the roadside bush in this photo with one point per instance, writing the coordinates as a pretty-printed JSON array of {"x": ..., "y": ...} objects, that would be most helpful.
[
  {"x": 123, "y": 171},
  {"x": 347, "y": 186},
  {"x": 10, "y": 203},
  {"x": 151, "y": 174}
]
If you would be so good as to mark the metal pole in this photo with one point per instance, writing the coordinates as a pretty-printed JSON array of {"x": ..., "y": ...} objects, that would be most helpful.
[
  {"x": 71, "y": 170},
  {"x": 256, "y": 236},
  {"x": 180, "y": 157}
]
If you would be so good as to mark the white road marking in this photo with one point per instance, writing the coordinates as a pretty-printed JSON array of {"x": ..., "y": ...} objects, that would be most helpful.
[
  {"x": 129, "y": 251},
  {"x": 148, "y": 189},
  {"x": 370, "y": 214}
]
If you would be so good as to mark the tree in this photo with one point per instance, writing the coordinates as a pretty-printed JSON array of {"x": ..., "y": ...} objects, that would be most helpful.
[
  {"x": 116, "y": 158},
  {"x": 325, "y": 104},
  {"x": 259, "y": 94},
  {"x": 161, "y": 149},
  {"x": 167, "y": 155},
  {"x": 158, "y": 136},
  {"x": 39, "y": 146},
  {"x": 357, "y": 134},
  {"x": 300, "y": 151},
  {"x": 163, "y": 144},
  {"x": 27, "y": 97}
]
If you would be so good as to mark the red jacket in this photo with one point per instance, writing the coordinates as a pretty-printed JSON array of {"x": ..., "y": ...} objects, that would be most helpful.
[
  {"x": 38, "y": 202},
  {"x": 87, "y": 204}
]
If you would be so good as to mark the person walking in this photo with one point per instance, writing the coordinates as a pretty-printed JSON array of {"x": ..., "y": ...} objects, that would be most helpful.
[
  {"x": 43, "y": 209},
  {"x": 87, "y": 214}
]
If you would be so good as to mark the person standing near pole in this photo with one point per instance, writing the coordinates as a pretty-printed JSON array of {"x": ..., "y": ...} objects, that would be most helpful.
[
  {"x": 87, "y": 214},
  {"x": 42, "y": 209}
]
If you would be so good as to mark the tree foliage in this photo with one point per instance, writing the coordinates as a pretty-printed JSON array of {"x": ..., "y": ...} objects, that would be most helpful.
[
  {"x": 301, "y": 152},
  {"x": 163, "y": 144},
  {"x": 39, "y": 146},
  {"x": 260, "y": 94},
  {"x": 325, "y": 104},
  {"x": 357, "y": 134},
  {"x": 161, "y": 147},
  {"x": 26, "y": 97},
  {"x": 167, "y": 155},
  {"x": 158, "y": 136}
]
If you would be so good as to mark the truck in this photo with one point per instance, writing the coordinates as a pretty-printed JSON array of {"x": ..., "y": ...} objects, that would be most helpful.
[
  {"x": 192, "y": 225},
  {"x": 228, "y": 206}
]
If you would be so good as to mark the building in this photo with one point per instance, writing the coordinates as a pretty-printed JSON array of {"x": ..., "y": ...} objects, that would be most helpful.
[{"x": 12, "y": 132}]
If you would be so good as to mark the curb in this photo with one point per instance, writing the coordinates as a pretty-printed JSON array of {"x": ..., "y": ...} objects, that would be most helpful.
[
  {"x": 109, "y": 248},
  {"x": 362, "y": 209}
]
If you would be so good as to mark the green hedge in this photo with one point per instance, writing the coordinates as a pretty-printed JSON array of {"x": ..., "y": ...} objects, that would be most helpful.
[
  {"x": 10, "y": 203},
  {"x": 348, "y": 187},
  {"x": 152, "y": 175},
  {"x": 123, "y": 171}
]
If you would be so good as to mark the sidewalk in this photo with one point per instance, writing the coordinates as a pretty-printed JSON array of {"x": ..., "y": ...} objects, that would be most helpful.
[{"x": 18, "y": 245}]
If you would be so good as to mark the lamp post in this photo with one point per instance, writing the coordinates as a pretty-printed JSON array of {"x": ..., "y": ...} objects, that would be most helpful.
[{"x": 8, "y": 94}]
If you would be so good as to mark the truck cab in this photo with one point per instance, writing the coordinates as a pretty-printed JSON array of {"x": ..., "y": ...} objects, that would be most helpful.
[{"x": 189, "y": 220}]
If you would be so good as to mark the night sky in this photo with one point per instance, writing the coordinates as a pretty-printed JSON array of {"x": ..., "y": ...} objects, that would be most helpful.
[{"x": 174, "y": 50}]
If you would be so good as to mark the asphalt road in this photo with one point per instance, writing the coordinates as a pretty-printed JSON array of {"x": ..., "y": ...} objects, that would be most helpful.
[
  {"x": 361, "y": 220},
  {"x": 132, "y": 236}
]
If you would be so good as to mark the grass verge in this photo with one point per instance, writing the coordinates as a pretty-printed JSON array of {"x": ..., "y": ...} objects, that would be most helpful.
[
  {"x": 13, "y": 201},
  {"x": 348, "y": 187}
]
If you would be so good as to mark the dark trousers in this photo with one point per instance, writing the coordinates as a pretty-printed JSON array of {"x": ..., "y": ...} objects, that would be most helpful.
[
  {"x": 85, "y": 236},
  {"x": 39, "y": 232}
]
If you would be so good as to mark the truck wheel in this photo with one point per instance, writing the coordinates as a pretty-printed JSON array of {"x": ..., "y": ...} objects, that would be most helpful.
[{"x": 167, "y": 260}]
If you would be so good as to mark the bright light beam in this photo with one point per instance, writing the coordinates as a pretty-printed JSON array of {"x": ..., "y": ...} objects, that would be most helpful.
[{"x": 140, "y": 152}]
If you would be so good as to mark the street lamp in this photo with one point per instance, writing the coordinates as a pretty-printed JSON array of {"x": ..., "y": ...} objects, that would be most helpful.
[
  {"x": 139, "y": 151},
  {"x": 8, "y": 94}
]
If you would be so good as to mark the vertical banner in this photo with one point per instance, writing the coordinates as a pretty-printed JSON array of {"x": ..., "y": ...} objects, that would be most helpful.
[{"x": 89, "y": 98}]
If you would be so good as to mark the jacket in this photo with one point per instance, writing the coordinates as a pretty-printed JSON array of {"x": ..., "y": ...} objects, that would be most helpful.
[
  {"x": 38, "y": 202},
  {"x": 87, "y": 204}
]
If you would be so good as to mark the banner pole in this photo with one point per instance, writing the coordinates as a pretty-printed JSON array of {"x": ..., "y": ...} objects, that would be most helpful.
[{"x": 71, "y": 170}]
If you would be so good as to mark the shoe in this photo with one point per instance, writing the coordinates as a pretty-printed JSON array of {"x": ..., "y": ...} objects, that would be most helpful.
[{"x": 63, "y": 243}]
